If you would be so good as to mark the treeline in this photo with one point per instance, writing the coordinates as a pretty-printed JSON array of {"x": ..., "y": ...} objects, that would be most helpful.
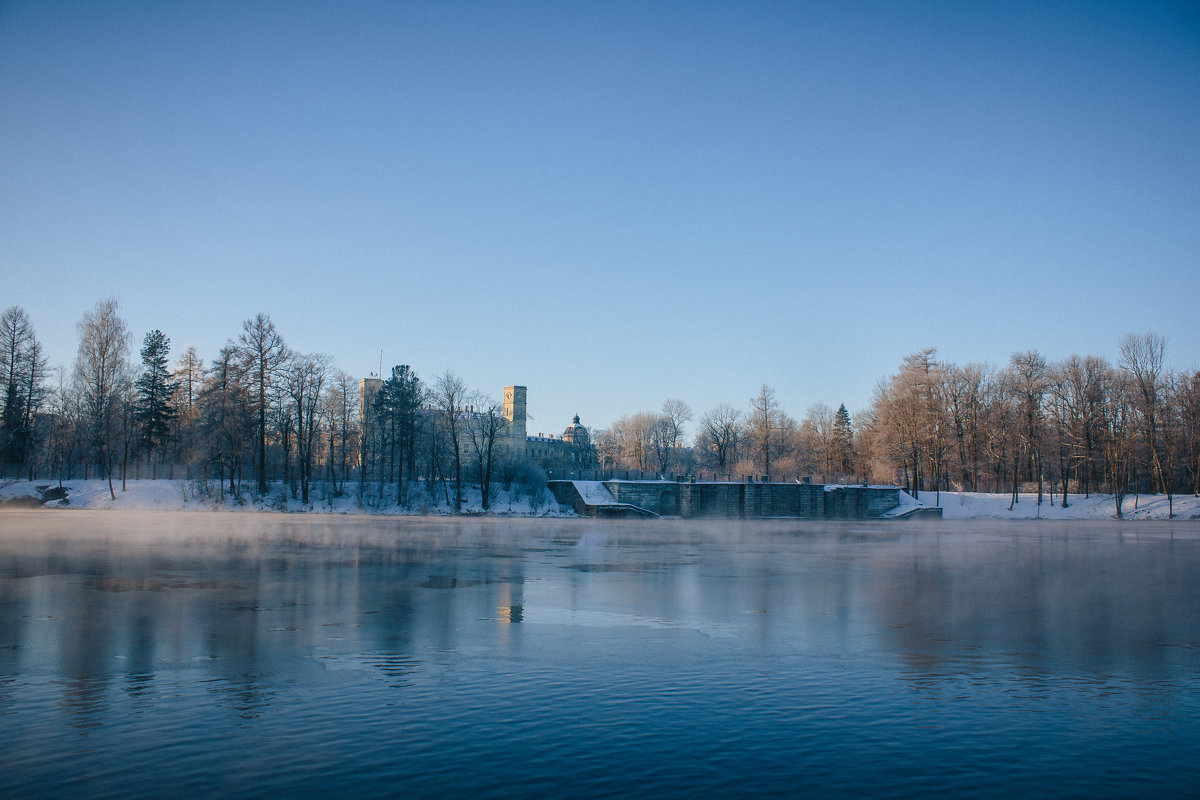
[
  {"x": 259, "y": 417},
  {"x": 1080, "y": 425},
  {"x": 730, "y": 443}
]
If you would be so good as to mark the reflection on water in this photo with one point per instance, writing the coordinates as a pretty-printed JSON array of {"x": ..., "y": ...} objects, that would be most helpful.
[{"x": 578, "y": 657}]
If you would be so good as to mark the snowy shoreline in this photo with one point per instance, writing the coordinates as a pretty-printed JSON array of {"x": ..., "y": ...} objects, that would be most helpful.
[
  {"x": 184, "y": 495},
  {"x": 982, "y": 505},
  {"x": 187, "y": 495}
]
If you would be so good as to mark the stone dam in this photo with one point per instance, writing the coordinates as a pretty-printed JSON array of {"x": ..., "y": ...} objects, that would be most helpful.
[{"x": 725, "y": 500}]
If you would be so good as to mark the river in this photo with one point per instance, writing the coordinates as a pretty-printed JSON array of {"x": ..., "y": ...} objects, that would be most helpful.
[{"x": 266, "y": 655}]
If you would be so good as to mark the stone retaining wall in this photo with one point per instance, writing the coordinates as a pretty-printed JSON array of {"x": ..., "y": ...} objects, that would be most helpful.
[{"x": 755, "y": 500}]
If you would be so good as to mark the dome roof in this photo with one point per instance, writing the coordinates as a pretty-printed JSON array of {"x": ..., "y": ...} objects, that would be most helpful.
[{"x": 575, "y": 432}]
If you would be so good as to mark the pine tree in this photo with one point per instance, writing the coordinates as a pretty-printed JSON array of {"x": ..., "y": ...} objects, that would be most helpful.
[
  {"x": 843, "y": 441},
  {"x": 21, "y": 370},
  {"x": 396, "y": 406},
  {"x": 154, "y": 408}
]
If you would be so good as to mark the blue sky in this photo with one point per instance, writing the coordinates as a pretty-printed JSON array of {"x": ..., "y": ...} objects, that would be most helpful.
[{"x": 609, "y": 203}]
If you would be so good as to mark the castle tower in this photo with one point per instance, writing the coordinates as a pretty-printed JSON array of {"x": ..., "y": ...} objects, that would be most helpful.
[
  {"x": 368, "y": 388},
  {"x": 514, "y": 413}
]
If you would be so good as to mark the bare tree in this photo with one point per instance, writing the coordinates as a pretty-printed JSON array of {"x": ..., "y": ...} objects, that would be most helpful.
[
  {"x": 226, "y": 417},
  {"x": 662, "y": 438},
  {"x": 1029, "y": 374},
  {"x": 764, "y": 426},
  {"x": 1079, "y": 386},
  {"x": 632, "y": 440},
  {"x": 64, "y": 426},
  {"x": 342, "y": 401},
  {"x": 1189, "y": 390},
  {"x": 964, "y": 389},
  {"x": 484, "y": 423},
  {"x": 306, "y": 386},
  {"x": 1118, "y": 428},
  {"x": 1142, "y": 358},
  {"x": 449, "y": 398},
  {"x": 189, "y": 377},
  {"x": 907, "y": 417},
  {"x": 817, "y": 430},
  {"x": 1171, "y": 426},
  {"x": 675, "y": 415},
  {"x": 608, "y": 448},
  {"x": 719, "y": 436},
  {"x": 263, "y": 353},
  {"x": 101, "y": 373},
  {"x": 282, "y": 417}
]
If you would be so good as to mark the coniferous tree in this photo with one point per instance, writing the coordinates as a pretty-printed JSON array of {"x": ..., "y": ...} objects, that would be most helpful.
[
  {"x": 15, "y": 336},
  {"x": 22, "y": 375},
  {"x": 396, "y": 405},
  {"x": 843, "y": 441},
  {"x": 154, "y": 407}
]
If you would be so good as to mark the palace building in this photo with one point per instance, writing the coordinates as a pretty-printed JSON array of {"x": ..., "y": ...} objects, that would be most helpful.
[{"x": 572, "y": 449}]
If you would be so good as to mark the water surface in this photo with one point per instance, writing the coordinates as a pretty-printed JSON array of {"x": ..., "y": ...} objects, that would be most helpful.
[{"x": 267, "y": 655}]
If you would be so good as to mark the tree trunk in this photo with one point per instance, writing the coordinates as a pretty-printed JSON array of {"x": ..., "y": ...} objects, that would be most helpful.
[
  {"x": 399, "y": 471},
  {"x": 262, "y": 433},
  {"x": 1015, "y": 483}
]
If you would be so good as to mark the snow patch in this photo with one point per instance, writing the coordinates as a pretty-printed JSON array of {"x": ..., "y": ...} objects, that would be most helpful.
[
  {"x": 980, "y": 505},
  {"x": 594, "y": 493}
]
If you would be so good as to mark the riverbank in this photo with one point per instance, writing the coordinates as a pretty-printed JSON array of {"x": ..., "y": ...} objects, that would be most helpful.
[
  {"x": 185, "y": 495},
  {"x": 980, "y": 505}
]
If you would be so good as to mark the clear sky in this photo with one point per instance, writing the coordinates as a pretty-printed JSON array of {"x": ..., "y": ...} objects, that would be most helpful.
[{"x": 610, "y": 203}]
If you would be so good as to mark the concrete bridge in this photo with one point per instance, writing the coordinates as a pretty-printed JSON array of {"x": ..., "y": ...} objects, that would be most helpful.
[{"x": 725, "y": 500}]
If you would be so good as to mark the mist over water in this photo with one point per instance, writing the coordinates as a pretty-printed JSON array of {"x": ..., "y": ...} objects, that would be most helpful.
[{"x": 253, "y": 654}]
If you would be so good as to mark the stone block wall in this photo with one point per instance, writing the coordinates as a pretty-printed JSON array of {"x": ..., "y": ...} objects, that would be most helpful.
[
  {"x": 754, "y": 500},
  {"x": 661, "y": 497}
]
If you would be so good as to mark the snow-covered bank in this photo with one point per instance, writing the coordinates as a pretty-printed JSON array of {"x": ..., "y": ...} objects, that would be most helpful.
[
  {"x": 978, "y": 505},
  {"x": 183, "y": 495}
]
